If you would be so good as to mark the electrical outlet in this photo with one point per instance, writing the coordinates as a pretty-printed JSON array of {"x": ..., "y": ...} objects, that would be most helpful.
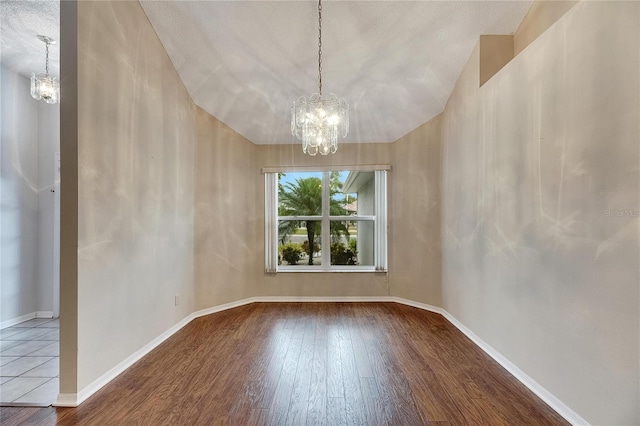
[{"x": 177, "y": 299}]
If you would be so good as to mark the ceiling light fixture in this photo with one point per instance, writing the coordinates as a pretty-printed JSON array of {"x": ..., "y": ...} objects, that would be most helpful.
[
  {"x": 45, "y": 86},
  {"x": 320, "y": 121}
]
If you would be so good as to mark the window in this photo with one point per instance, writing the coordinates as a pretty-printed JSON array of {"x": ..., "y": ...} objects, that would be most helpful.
[{"x": 326, "y": 221}]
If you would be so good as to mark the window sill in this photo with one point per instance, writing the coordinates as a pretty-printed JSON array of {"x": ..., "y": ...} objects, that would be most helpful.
[{"x": 298, "y": 269}]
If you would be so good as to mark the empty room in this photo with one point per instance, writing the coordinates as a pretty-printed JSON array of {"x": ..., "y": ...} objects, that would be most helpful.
[{"x": 320, "y": 212}]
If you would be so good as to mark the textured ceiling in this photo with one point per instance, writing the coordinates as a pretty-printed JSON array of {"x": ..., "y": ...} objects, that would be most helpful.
[
  {"x": 20, "y": 23},
  {"x": 395, "y": 62}
]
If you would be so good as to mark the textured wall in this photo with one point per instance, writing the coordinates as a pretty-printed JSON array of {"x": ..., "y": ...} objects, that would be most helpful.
[
  {"x": 136, "y": 144},
  {"x": 18, "y": 197},
  {"x": 538, "y": 164}
]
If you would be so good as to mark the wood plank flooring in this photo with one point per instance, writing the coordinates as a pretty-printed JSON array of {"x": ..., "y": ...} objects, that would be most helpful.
[{"x": 309, "y": 364}]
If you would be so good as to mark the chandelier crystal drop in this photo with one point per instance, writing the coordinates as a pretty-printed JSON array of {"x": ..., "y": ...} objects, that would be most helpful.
[
  {"x": 43, "y": 85},
  {"x": 321, "y": 120}
]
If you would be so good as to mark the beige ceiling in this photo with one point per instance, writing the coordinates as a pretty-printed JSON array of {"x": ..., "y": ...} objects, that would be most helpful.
[{"x": 395, "y": 62}]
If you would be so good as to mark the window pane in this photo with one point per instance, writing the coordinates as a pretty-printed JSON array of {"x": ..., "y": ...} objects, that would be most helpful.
[
  {"x": 352, "y": 192},
  {"x": 293, "y": 243},
  {"x": 352, "y": 242},
  {"x": 300, "y": 194}
]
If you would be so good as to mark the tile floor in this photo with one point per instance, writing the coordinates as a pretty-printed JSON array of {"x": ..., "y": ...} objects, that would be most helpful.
[{"x": 30, "y": 362}]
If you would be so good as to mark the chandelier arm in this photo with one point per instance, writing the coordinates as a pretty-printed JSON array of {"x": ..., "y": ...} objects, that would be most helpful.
[{"x": 320, "y": 47}]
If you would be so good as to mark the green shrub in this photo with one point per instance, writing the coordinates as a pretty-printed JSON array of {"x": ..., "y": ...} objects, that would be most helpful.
[
  {"x": 343, "y": 255},
  {"x": 305, "y": 247},
  {"x": 353, "y": 245},
  {"x": 291, "y": 252}
]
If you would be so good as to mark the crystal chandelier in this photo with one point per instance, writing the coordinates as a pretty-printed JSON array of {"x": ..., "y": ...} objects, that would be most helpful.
[
  {"x": 321, "y": 120},
  {"x": 45, "y": 86}
]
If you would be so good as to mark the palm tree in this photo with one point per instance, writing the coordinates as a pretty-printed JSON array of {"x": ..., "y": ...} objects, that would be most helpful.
[{"x": 304, "y": 198}]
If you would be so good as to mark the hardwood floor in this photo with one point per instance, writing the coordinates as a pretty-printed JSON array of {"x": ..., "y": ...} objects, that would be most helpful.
[{"x": 309, "y": 363}]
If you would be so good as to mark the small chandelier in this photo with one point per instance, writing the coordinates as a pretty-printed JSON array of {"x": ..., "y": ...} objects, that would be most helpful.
[
  {"x": 321, "y": 120},
  {"x": 45, "y": 86}
]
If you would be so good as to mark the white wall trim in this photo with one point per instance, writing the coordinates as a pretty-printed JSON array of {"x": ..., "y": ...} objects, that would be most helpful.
[
  {"x": 73, "y": 400},
  {"x": 26, "y": 317},
  {"x": 66, "y": 400},
  {"x": 320, "y": 299},
  {"x": 17, "y": 320}
]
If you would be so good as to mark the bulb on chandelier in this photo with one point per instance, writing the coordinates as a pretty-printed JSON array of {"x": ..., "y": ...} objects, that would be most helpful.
[{"x": 43, "y": 85}]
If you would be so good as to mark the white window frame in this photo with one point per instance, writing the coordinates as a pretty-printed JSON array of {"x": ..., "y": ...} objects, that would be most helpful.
[{"x": 271, "y": 219}]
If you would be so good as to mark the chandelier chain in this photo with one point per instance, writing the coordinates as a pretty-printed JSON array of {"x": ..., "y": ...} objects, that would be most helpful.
[
  {"x": 320, "y": 47},
  {"x": 47, "y": 58}
]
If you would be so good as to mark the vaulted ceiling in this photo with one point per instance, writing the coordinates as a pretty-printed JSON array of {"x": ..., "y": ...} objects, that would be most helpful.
[
  {"x": 245, "y": 62},
  {"x": 395, "y": 62}
]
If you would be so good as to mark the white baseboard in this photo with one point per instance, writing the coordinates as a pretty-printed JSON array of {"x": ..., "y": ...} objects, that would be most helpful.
[
  {"x": 17, "y": 320},
  {"x": 13, "y": 321},
  {"x": 66, "y": 400},
  {"x": 73, "y": 400},
  {"x": 320, "y": 299}
]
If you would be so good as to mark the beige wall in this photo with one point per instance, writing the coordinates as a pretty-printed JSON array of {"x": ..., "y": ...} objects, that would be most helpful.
[
  {"x": 541, "y": 15},
  {"x": 533, "y": 263},
  {"x": 228, "y": 256},
  {"x": 415, "y": 260},
  {"x": 136, "y": 145}
]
